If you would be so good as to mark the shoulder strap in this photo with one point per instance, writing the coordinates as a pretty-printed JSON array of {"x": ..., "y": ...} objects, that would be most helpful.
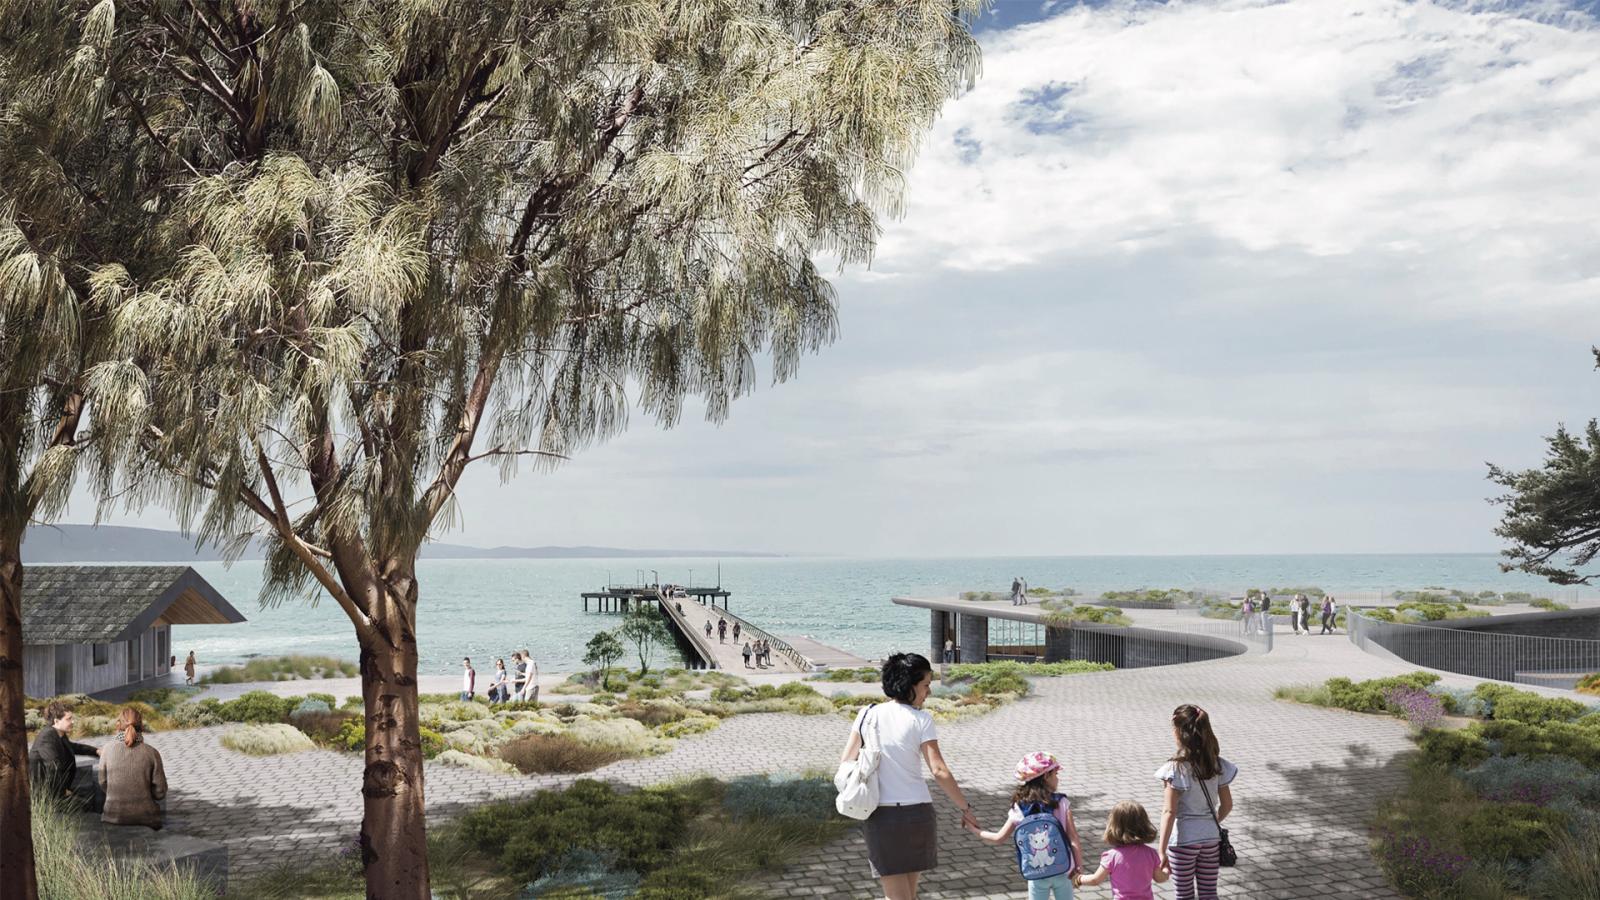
[{"x": 1209, "y": 807}]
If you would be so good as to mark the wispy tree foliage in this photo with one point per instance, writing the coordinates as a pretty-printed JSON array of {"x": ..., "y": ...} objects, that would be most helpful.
[
  {"x": 1552, "y": 513},
  {"x": 405, "y": 237}
]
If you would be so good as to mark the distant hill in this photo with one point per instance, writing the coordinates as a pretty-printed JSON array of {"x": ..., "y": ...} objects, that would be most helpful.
[{"x": 120, "y": 543}]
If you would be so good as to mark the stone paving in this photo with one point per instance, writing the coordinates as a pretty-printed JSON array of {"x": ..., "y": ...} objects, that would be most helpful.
[{"x": 1309, "y": 777}]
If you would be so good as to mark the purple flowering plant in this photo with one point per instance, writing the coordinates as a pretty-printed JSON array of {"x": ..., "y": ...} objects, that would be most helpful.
[
  {"x": 1422, "y": 709},
  {"x": 1417, "y": 863}
]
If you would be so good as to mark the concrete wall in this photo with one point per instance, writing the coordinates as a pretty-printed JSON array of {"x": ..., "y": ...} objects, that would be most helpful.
[{"x": 973, "y": 641}]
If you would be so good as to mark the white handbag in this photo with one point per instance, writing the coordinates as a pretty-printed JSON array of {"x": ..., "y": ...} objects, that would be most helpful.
[{"x": 857, "y": 779}]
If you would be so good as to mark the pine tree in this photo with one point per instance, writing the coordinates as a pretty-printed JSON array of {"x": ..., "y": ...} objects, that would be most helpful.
[{"x": 407, "y": 237}]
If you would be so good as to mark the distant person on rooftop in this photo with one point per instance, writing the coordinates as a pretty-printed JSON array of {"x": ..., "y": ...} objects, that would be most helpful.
[
  {"x": 1247, "y": 611},
  {"x": 188, "y": 668},
  {"x": 1016, "y": 591}
]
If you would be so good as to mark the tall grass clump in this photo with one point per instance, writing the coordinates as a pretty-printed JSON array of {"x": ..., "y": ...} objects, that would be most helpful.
[
  {"x": 284, "y": 668},
  {"x": 70, "y": 869}
]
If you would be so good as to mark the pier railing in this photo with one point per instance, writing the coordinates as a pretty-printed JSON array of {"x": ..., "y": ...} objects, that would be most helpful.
[
  {"x": 1525, "y": 659},
  {"x": 692, "y": 635},
  {"x": 779, "y": 645}
]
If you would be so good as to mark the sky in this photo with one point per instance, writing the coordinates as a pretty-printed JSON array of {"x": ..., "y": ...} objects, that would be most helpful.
[{"x": 1224, "y": 276}]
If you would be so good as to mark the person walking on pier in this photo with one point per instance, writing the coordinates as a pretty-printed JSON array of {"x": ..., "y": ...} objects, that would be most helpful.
[
  {"x": 747, "y": 653},
  {"x": 766, "y": 651},
  {"x": 708, "y": 629},
  {"x": 722, "y": 630},
  {"x": 736, "y": 632}
]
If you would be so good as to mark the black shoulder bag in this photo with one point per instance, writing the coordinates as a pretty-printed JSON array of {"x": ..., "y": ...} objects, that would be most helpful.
[{"x": 1226, "y": 857}]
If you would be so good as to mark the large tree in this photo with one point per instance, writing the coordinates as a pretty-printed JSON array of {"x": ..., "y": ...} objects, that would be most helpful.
[
  {"x": 73, "y": 194},
  {"x": 418, "y": 235},
  {"x": 1552, "y": 513}
]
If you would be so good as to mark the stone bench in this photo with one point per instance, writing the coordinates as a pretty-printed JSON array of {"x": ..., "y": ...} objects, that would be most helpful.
[{"x": 207, "y": 859}]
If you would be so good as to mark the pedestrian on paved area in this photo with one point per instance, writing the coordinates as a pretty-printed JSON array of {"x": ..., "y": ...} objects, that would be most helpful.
[
  {"x": 1131, "y": 863},
  {"x": 188, "y": 668},
  {"x": 901, "y": 834},
  {"x": 1195, "y": 777},
  {"x": 722, "y": 630},
  {"x": 1305, "y": 614},
  {"x": 1329, "y": 610},
  {"x": 1266, "y": 613},
  {"x": 1294, "y": 613},
  {"x": 747, "y": 652},
  {"x": 1016, "y": 591},
  {"x": 708, "y": 629},
  {"x": 736, "y": 632},
  {"x": 1040, "y": 822},
  {"x": 131, "y": 775},
  {"x": 949, "y": 651}
]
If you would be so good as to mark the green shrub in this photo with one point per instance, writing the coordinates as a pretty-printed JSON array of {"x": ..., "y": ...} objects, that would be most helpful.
[
  {"x": 70, "y": 868},
  {"x": 1313, "y": 694},
  {"x": 1574, "y": 741},
  {"x": 1379, "y": 613},
  {"x": 1548, "y": 604},
  {"x": 1453, "y": 749},
  {"x": 310, "y": 705},
  {"x": 462, "y": 760},
  {"x": 1370, "y": 696},
  {"x": 1572, "y": 868},
  {"x": 258, "y": 707},
  {"x": 1510, "y": 831},
  {"x": 864, "y": 675},
  {"x": 1506, "y": 702},
  {"x": 352, "y": 736},
  {"x": 266, "y": 740},
  {"x": 1589, "y": 684},
  {"x": 540, "y": 754},
  {"x": 325, "y": 728}
]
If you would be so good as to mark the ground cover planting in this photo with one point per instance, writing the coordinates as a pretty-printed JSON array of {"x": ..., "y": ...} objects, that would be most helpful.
[
  {"x": 283, "y": 668},
  {"x": 1503, "y": 798},
  {"x": 72, "y": 869},
  {"x": 1064, "y": 613},
  {"x": 694, "y": 839}
]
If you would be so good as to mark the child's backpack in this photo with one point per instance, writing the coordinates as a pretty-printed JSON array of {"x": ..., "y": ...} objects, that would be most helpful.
[{"x": 1042, "y": 849}]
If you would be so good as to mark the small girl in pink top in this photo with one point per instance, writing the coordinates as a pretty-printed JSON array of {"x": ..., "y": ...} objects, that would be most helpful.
[{"x": 1131, "y": 864}]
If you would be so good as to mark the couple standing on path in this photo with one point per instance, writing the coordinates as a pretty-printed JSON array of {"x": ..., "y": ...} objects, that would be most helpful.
[
  {"x": 1019, "y": 591},
  {"x": 902, "y": 836}
]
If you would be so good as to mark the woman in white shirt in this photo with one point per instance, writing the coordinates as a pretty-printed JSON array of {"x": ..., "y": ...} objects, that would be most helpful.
[{"x": 902, "y": 840}]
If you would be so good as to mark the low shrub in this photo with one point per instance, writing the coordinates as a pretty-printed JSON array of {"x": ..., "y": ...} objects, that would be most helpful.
[
  {"x": 1453, "y": 749},
  {"x": 1313, "y": 694},
  {"x": 324, "y": 727},
  {"x": 352, "y": 737},
  {"x": 1517, "y": 832},
  {"x": 687, "y": 727},
  {"x": 1589, "y": 684},
  {"x": 1065, "y": 615},
  {"x": 462, "y": 760},
  {"x": 258, "y": 707},
  {"x": 70, "y": 868},
  {"x": 1370, "y": 696},
  {"x": 863, "y": 675},
  {"x": 540, "y": 754},
  {"x": 1542, "y": 782},
  {"x": 266, "y": 740},
  {"x": 1506, "y": 702},
  {"x": 1422, "y": 866},
  {"x": 984, "y": 596},
  {"x": 310, "y": 705},
  {"x": 766, "y": 797},
  {"x": 653, "y": 714},
  {"x": 1571, "y": 740},
  {"x": 1547, "y": 604},
  {"x": 1572, "y": 868},
  {"x": 1415, "y": 705},
  {"x": 973, "y": 671}
]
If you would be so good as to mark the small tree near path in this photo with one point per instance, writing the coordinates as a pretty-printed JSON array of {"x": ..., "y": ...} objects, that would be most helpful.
[
  {"x": 602, "y": 650},
  {"x": 645, "y": 629},
  {"x": 1554, "y": 511}
]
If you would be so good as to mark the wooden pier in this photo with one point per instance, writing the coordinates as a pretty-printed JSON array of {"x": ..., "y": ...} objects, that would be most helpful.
[{"x": 688, "y": 615}]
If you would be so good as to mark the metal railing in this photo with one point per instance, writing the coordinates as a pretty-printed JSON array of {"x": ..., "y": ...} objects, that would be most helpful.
[
  {"x": 1525, "y": 659},
  {"x": 779, "y": 645},
  {"x": 701, "y": 646}
]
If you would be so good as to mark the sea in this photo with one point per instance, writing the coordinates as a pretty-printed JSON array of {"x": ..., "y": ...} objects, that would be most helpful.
[{"x": 487, "y": 608}]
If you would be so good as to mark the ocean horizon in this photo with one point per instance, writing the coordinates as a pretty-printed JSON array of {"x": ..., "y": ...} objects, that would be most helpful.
[{"x": 487, "y": 608}]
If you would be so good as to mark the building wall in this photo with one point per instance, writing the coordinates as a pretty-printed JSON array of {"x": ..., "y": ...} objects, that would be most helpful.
[
  {"x": 39, "y": 666},
  {"x": 973, "y": 642}
]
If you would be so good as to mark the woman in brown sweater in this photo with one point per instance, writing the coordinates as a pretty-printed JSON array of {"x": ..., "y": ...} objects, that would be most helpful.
[{"x": 131, "y": 776}]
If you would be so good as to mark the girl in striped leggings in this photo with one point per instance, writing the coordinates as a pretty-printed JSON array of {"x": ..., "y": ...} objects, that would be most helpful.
[{"x": 1188, "y": 834}]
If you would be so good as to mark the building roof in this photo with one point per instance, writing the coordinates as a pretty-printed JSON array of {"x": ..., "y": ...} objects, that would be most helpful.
[{"x": 104, "y": 604}]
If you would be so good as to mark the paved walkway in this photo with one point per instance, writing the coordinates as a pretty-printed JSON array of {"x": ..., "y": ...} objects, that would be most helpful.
[{"x": 1309, "y": 777}]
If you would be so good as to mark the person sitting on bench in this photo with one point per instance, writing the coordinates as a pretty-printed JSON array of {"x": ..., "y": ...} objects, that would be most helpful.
[{"x": 52, "y": 760}]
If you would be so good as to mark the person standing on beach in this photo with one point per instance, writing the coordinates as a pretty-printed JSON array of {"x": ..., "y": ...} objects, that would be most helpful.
[
  {"x": 516, "y": 674},
  {"x": 530, "y": 686},
  {"x": 188, "y": 668},
  {"x": 469, "y": 679}
]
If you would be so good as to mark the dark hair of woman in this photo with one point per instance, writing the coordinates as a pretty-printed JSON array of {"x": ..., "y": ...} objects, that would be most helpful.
[
  {"x": 902, "y": 672},
  {"x": 1128, "y": 825},
  {"x": 1035, "y": 791},
  {"x": 1198, "y": 750}
]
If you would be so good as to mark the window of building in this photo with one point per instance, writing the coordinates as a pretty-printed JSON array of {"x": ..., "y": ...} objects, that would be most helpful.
[
  {"x": 163, "y": 648},
  {"x": 102, "y": 654}
]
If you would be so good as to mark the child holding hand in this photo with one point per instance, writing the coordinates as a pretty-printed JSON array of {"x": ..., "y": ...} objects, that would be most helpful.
[
  {"x": 1040, "y": 822},
  {"x": 1131, "y": 864}
]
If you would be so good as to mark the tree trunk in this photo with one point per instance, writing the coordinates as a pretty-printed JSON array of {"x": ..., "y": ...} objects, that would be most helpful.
[
  {"x": 17, "y": 878},
  {"x": 394, "y": 845}
]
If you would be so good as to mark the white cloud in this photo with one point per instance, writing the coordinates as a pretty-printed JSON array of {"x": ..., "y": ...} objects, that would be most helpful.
[{"x": 1460, "y": 140}]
